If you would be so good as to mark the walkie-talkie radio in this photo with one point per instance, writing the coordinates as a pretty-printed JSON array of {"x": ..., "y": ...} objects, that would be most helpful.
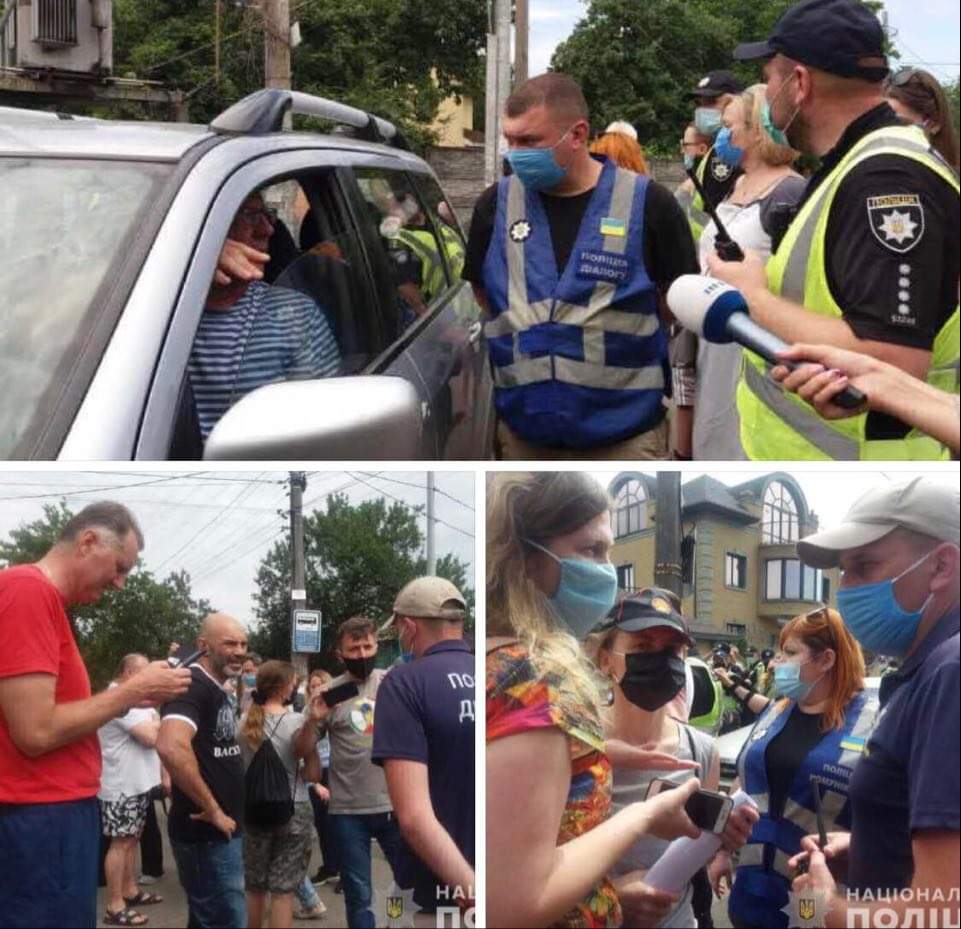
[{"x": 725, "y": 246}]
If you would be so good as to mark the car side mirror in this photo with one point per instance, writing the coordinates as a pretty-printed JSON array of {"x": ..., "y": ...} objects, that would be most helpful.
[{"x": 341, "y": 418}]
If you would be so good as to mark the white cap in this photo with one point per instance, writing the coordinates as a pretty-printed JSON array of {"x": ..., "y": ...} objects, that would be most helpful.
[
  {"x": 920, "y": 505},
  {"x": 623, "y": 127}
]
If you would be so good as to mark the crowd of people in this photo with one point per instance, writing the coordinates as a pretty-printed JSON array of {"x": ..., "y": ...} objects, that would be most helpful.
[
  {"x": 838, "y": 181},
  {"x": 254, "y": 761},
  {"x": 595, "y": 694}
]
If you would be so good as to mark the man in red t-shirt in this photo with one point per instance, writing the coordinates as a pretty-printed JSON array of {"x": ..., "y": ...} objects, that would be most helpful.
[{"x": 49, "y": 752}]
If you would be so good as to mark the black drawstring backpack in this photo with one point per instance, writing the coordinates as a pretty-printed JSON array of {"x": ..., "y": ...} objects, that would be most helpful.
[{"x": 267, "y": 797}]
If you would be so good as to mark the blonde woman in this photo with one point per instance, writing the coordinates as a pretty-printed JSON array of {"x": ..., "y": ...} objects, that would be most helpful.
[
  {"x": 755, "y": 214},
  {"x": 551, "y": 840},
  {"x": 276, "y": 858}
]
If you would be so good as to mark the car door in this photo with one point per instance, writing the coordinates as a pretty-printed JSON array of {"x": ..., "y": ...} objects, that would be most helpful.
[
  {"x": 472, "y": 387},
  {"x": 364, "y": 350},
  {"x": 436, "y": 327}
]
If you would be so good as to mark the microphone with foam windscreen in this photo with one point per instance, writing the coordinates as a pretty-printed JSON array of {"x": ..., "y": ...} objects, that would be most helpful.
[{"x": 718, "y": 312}]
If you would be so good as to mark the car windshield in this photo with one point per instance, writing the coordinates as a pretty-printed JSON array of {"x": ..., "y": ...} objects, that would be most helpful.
[{"x": 65, "y": 229}]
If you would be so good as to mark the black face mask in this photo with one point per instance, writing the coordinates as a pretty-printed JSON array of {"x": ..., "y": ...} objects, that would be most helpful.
[
  {"x": 652, "y": 678},
  {"x": 360, "y": 667}
]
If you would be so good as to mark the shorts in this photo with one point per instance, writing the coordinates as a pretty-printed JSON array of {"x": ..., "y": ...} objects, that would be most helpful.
[
  {"x": 125, "y": 817},
  {"x": 276, "y": 860}
]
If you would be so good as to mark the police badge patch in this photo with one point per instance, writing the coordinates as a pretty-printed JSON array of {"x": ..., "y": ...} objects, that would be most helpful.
[
  {"x": 520, "y": 231},
  {"x": 897, "y": 221},
  {"x": 720, "y": 170}
]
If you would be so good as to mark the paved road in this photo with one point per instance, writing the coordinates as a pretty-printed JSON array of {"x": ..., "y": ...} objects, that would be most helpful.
[{"x": 172, "y": 913}]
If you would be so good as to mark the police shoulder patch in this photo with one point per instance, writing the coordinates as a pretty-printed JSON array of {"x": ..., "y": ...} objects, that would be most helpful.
[
  {"x": 896, "y": 220},
  {"x": 720, "y": 170},
  {"x": 520, "y": 230}
]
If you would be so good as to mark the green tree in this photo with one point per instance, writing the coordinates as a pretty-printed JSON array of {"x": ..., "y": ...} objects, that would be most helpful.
[
  {"x": 639, "y": 61},
  {"x": 356, "y": 560},
  {"x": 953, "y": 92},
  {"x": 397, "y": 58},
  {"x": 143, "y": 617}
]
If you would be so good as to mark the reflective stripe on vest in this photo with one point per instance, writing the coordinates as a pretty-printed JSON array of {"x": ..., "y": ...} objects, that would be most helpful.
[
  {"x": 829, "y": 763},
  {"x": 423, "y": 244},
  {"x": 775, "y": 423}
]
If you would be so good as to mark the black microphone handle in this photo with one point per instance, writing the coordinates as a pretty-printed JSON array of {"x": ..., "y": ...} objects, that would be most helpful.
[{"x": 748, "y": 333}]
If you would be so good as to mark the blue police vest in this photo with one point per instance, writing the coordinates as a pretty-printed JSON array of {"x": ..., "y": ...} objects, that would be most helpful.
[
  {"x": 578, "y": 355},
  {"x": 763, "y": 878}
]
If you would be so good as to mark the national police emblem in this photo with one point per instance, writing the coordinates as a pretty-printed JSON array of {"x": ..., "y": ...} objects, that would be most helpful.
[
  {"x": 520, "y": 230},
  {"x": 897, "y": 220}
]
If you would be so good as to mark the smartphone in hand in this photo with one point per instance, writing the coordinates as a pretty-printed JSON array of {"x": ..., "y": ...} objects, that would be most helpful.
[
  {"x": 707, "y": 809},
  {"x": 340, "y": 693}
]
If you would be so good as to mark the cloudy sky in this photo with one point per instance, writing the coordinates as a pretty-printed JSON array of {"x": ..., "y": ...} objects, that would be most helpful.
[
  {"x": 829, "y": 493},
  {"x": 925, "y": 31},
  {"x": 218, "y": 525}
]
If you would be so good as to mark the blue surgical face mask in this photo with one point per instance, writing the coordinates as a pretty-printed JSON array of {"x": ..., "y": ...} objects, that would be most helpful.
[
  {"x": 537, "y": 168},
  {"x": 250, "y": 680},
  {"x": 777, "y": 136},
  {"x": 876, "y": 619},
  {"x": 585, "y": 594},
  {"x": 707, "y": 120},
  {"x": 725, "y": 149},
  {"x": 788, "y": 683},
  {"x": 690, "y": 162}
]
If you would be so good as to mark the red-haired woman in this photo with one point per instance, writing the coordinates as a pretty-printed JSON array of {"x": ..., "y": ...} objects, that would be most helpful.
[{"x": 809, "y": 738}]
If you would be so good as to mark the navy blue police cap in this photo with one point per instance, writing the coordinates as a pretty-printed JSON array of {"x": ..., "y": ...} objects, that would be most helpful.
[{"x": 841, "y": 37}]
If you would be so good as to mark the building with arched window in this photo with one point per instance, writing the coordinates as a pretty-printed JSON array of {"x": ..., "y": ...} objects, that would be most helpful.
[{"x": 744, "y": 579}]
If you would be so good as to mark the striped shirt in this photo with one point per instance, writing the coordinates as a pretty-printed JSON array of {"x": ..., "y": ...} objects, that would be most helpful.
[{"x": 270, "y": 334}]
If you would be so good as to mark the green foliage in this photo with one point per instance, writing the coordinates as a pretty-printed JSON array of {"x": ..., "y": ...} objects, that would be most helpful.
[
  {"x": 953, "y": 93},
  {"x": 143, "y": 617},
  {"x": 357, "y": 558},
  {"x": 397, "y": 58},
  {"x": 639, "y": 60}
]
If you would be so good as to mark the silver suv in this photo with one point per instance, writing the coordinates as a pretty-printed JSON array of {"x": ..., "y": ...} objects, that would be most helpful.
[{"x": 111, "y": 233}]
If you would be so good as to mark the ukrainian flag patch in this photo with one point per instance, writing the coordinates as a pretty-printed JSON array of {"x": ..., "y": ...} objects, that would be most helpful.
[
  {"x": 852, "y": 744},
  {"x": 612, "y": 226}
]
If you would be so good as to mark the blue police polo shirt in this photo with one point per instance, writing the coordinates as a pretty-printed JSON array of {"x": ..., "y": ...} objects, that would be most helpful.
[
  {"x": 907, "y": 779},
  {"x": 425, "y": 713}
]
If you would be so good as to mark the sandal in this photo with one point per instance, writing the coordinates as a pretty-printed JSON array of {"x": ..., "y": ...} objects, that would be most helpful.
[
  {"x": 143, "y": 898},
  {"x": 125, "y": 917}
]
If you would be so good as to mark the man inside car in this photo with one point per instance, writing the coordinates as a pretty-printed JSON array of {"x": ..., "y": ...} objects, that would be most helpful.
[{"x": 252, "y": 333}]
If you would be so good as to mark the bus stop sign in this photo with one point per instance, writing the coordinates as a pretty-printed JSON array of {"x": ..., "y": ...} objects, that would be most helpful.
[{"x": 306, "y": 631}]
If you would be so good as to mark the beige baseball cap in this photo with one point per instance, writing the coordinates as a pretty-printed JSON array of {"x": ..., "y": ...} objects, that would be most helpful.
[
  {"x": 920, "y": 505},
  {"x": 430, "y": 598}
]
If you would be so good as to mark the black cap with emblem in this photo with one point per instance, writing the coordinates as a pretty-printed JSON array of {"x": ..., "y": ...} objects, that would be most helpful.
[
  {"x": 717, "y": 83},
  {"x": 842, "y": 37},
  {"x": 647, "y": 609}
]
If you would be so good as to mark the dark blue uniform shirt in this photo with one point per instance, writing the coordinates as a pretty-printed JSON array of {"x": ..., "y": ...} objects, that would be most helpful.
[
  {"x": 907, "y": 779},
  {"x": 425, "y": 713}
]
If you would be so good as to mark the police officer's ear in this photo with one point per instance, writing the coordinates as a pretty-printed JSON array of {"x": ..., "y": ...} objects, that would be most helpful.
[
  {"x": 945, "y": 560},
  {"x": 580, "y": 133}
]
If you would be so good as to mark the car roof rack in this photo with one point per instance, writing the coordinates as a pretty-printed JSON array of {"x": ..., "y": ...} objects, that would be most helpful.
[{"x": 263, "y": 111}]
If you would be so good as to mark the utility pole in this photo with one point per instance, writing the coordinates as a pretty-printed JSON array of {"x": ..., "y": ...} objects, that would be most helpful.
[
  {"x": 521, "y": 41},
  {"x": 277, "y": 47},
  {"x": 298, "y": 592},
  {"x": 217, "y": 42},
  {"x": 498, "y": 83},
  {"x": 431, "y": 554},
  {"x": 667, "y": 537}
]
